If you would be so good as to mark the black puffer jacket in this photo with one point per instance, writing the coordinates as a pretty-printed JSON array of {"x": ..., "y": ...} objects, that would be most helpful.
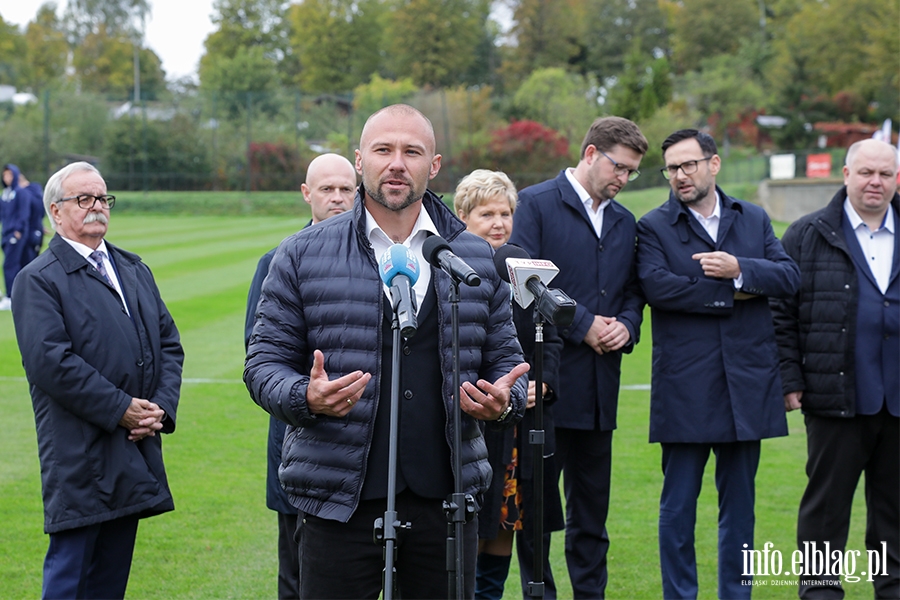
[
  {"x": 324, "y": 292},
  {"x": 816, "y": 329}
]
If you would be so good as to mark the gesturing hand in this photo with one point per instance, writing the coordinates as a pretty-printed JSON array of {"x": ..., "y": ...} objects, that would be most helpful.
[
  {"x": 487, "y": 401},
  {"x": 718, "y": 264},
  {"x": 333, "y": 398}
]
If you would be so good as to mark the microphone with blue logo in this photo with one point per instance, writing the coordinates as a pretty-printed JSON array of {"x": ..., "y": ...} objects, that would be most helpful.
[{"x": 399, "y": 269}]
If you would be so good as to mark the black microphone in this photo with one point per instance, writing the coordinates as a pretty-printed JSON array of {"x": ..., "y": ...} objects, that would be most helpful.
[
  {"x": 527, "y": 277},
  {"x": 400, "y": 270},
  {"x": 437, "y": 251}
]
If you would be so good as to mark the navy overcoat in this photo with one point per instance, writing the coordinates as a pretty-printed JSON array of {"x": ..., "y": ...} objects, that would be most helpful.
[
  {"x": 551, "y": 223},
  {"x": 85, "y": 358},
  {"x": 715, "y": 362}
]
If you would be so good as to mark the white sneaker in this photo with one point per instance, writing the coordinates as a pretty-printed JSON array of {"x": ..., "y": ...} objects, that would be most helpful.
[{"x": 5, "y": 303}]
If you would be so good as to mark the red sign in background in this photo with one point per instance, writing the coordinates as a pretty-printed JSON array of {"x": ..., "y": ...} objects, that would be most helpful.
[{"x": 818, "y": 166}]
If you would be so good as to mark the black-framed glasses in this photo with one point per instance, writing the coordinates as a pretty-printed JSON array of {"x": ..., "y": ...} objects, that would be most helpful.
[
  {"x": 620, "y": 170},
  {"x": 87, "y": 201},
  {"x": 688, "y": 168}
]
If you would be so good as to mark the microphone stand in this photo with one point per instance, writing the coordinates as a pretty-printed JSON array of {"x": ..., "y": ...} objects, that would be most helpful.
[
  {"x": 459, "y": 507},
  {"x": 535, "y": 588},
  {"x": 386, "y": 527}
]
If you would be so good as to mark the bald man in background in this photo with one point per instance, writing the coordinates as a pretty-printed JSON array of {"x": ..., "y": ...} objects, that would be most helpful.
[{"x": 329, "y": 190}]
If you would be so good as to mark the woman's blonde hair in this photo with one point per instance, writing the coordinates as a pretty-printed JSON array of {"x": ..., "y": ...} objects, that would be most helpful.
[{"x": 480, "y": 186}]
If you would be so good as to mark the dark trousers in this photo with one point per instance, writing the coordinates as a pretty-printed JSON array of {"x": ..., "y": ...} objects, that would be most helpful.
[
  {"x": 12, "y": 261},
  {"x": 90, "y": 562},
  {"x": 839, "y": 451},
  {"x": 341, "y": 560},
  {"x": 288, "y": 557},
  {"x": 683, "y": 465},
  {"x": 584, "y": 457}
]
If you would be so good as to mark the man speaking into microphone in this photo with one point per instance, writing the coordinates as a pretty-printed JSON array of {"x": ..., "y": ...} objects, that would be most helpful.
[{"x": 319, "y": 359}]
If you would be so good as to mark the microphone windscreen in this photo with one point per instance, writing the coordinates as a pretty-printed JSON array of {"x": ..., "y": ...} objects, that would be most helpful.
[
  {"x": 398, "y": 260},
  {"x": 434, "y": 244},
  {"x": 507, "y": 251}
]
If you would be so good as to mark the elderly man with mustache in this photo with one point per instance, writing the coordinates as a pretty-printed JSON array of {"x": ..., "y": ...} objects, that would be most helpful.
[{"x": 103, "y": 361}]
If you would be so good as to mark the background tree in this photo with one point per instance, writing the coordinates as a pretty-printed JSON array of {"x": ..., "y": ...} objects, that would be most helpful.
[
  {"x": 119, "y": 17},
  {"x": 705, "y": 28},
  {"x": 104, "y": 64},
  {"x": 252, "y": 28},
  {"x": 434, "y": 41},
  {"x": 545, "y": 33},
  {"x": 12, "y": 50},
  {"x": 338, "y": 43},
  {"x": 619, "y": 26},
  {"x": 819, "y": 53},
  {"x": 558, "y": 99},
  {"x": 46, "y": 48},
  {"x": 644, "y": 85},
  {"x": 723, "y": 89}
]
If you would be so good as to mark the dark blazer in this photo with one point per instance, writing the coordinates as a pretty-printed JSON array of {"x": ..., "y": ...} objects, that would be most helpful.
[
  {"x": 85, "y": 358},
  {"x": 715, "y": 362},
  {"x": 551, "y": 223}
]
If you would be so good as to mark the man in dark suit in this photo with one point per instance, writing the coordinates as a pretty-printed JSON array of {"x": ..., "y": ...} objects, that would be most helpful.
[
  {"x": 329, "y": 189},
  {"x": 707, "y": 264},
  {"x": 838, "y": 339},
  {"x": 103, "y": 359},
  {"x": 574, "y": 222}
]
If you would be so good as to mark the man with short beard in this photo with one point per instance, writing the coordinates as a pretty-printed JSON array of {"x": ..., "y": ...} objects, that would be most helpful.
[
  {"x": 319, "y": 359},
  {"x": 708, "y": 264},
  {"x": 574, "y": 221},
  {"x": 103, "y": 359}
]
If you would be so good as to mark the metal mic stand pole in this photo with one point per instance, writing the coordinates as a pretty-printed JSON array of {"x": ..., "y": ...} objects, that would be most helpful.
[
  {"x": 386, "y": 527},
  {"x": 536, "y": 439},
  {"x": 460, "y": 507}
]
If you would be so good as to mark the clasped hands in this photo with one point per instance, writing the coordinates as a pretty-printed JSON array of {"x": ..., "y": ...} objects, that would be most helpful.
[
  {"x": 606, "y": 334},
  {"x": 336, "y": 397},
  {"x": 142, "y": 419}
]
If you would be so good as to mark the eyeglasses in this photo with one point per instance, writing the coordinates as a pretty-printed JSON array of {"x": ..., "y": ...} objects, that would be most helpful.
[
  {"x": 88, "y": 201},
  {"x": 688, "y": 168},
  {"x": 620, "y": 170}
]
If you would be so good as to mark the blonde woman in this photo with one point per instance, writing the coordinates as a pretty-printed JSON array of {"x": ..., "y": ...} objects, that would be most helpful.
[{"x": 485, "y": 201}]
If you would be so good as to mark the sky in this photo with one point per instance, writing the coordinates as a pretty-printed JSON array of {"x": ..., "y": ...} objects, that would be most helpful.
[{"x": 175, "y": 30}]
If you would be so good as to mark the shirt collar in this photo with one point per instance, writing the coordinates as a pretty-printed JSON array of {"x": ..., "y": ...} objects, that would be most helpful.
[
  {"x": 423, "y": 223},
  {"x": 716, "y": 213},
  {"x": 86, "y": 251},
  {"x": 856, "y": 220},
  {"x": 583, "y": 194}
]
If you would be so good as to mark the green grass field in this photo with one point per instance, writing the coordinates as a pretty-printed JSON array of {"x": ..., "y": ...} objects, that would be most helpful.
[{"x": 220, "y": 541}]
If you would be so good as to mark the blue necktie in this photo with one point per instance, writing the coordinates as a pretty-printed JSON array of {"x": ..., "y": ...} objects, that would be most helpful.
[{"x": 97, "y": 256}]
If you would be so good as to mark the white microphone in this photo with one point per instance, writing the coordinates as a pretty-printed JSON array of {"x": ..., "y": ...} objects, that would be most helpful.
[
  {"x": 399, "y": 269},
  {"x": 529, "y": 279}
]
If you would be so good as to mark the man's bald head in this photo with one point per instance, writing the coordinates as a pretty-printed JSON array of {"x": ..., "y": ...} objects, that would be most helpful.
[
  {"x": 870, "y": 174},
  {"x": 330, "y": 185},
  {"x": 396, "y": 112}
]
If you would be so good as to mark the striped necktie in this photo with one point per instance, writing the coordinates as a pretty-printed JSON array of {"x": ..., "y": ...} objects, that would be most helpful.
[{"x": 97, "y": 256}]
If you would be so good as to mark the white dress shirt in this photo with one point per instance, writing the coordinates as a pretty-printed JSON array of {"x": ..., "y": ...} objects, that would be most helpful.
[
  {"x": 711, "y": 225},
  {"x": 86, "y": 251},
  {"x": 596, "y": 216},
  {"x": 877, "y": 246},
  {"x": 381, "y": 242}
]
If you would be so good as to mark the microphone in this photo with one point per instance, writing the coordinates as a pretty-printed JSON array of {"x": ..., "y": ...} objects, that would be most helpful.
[
  {"x": 527, "y": 278},
  {"x": 399, "y": 269},
  {"x": 437, "y": 252}
]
